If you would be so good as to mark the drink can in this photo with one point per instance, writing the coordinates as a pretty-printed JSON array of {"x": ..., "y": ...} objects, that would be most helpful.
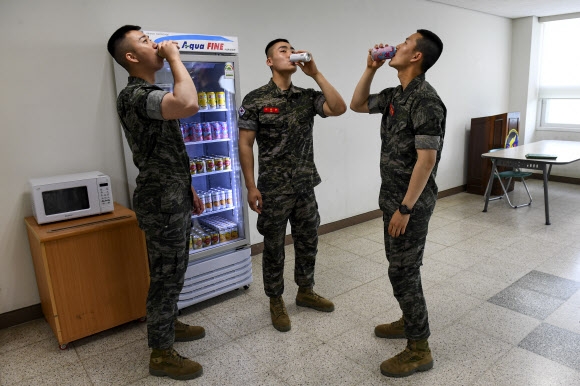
[
  {"x": 205, "y": 240},
  {"x": 215, "y": 237},
  {"x": 209, "y": 165},
  {"x": 189, "y": 131},
  {"x": 215, "y": 197},
  {"x": 228, "y": 234},
  {"x": 216, "y": 130},
  {"x": 192, "y": 167},
  {"x": 301, "y": 57},
  {"x": 220, "y": 99},
  {"x": 202, "y": 100},
  {"x": 224, "y": 126},
  {"x": 207, "y": 201},
  {"x": 235, "y": 233},
  {"x": 206, "y": 131},
  {"x": 219, "y": 164},
  {"x": 197, "y": 132},
  {"x": 222, "y": 196},
  {"x": 227, "y": 163},
  {"x": 229, "y": 198},
  {"x": 197, "y": 242},
  {"x": 222, "y": 231},
  {"x": 183, "y": 128},
  {"x": 199, "y": 166},
  {"x": 211, "y": 102},
  {"x": 386, "y": 52}
]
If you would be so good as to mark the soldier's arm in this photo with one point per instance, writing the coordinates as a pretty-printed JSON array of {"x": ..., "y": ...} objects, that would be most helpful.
[
  {"x": 246, "y": 149},
  {"x": 183, "y": 102},
  {"x": 360, "y": 97},
  {"x": 334, "y": 104}
]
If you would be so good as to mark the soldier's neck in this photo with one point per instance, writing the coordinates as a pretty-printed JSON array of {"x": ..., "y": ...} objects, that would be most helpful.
[{"x": 283, "y": 81}]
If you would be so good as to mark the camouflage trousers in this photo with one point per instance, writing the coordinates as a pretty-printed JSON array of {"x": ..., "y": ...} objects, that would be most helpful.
[
  {"x": 405, "y": 256},
  {"x": 301, "y": 210},
  {"x": 167, "y": 238}
]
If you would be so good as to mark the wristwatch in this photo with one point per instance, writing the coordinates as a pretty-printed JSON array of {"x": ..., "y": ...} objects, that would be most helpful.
[{"x": 404, "y": 209}]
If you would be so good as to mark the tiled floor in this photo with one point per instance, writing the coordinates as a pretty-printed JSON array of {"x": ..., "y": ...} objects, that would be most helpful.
[{"x": 502, "y": 288}]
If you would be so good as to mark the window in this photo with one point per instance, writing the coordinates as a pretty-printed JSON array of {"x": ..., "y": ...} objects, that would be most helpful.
[{"x": 559, "y": 84}]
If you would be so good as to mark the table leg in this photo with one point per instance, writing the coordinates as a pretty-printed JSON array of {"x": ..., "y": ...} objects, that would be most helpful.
[
  {"x": 489, "y": 184},
  {"x": 546, "y": 205}
]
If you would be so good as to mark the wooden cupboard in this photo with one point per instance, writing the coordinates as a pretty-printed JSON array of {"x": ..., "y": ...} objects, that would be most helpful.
[{"x": 92, "y": 273}]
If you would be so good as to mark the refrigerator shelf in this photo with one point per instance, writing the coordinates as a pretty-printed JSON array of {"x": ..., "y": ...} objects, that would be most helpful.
[
  {"x": 211, "y": 110},
  {"x": 211, "y": 173},
  {"x": 205, "y": 142},
  {"x": 194, "y": 251},
  {"x": 212, "y": 212}
]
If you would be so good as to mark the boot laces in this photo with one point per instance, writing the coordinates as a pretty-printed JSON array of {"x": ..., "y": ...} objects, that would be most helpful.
[
  {"x": 178, "y": 358},
  {"x": 405, "y": 355},
  {"x": 279, "y": 308},
  {"x": 399, "y": 323}
]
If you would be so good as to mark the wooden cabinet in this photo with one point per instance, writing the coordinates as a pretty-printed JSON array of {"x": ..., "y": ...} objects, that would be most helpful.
[
  {"x": 488, "y": 133},
  {"x": 92, "y": 273}
]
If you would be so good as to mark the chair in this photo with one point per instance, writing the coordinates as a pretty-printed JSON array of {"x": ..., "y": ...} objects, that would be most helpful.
[{"x": 509, "y": 175}]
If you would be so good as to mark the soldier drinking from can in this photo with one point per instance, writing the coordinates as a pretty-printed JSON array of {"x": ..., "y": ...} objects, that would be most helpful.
[
  {"x": 280, "y": 117},
  {"x": 164, "y": 198},
  {"x": 412, "y": 131}
]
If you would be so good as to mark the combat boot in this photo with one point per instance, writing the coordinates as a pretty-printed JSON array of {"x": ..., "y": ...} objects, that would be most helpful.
[
  {"x": 306, "y": 297},
  {"x": 187, "y": 333},
  {"x": 169, "y": 363},
  {"x": 415, "y": 357},
  {"x": 280, "y": 319},
  {"x": 393, "y": 330}
]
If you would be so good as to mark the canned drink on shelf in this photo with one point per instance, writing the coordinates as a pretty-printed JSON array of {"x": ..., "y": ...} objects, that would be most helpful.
[
  {"x": 197, "y": 132},
  {"x": 227, "y": 163},
  {"x": 225, "y": 134},
  {"x": 220, "y": 99},
  {"x": 223, "y": 235},
  {"x": 208, "y": 202},
  {"x": 206, "y": 131},
  {"x": 229, "y": 198},
  {"x": 215, "y": 237},
  {"x": 215, "y": 198},
  {"x": 206, "y": 240},
  {"x": 202, "y": 100},
  {"x": 209, "y": 165},
  {"x": 235, "y": 233},
  {"x": 222, "y": 196},
  {"x": 219, "y": 164},
  {"x": 228, "y": 234},
  {"x": 192, "y": 167},
  {"x": 211, "y": 102},
  {"x": 197, "y": 242},
  {"x": 199, "y": 166},
  {"x": 184, "y": 133},
  {"x": 216, "y": 130}
]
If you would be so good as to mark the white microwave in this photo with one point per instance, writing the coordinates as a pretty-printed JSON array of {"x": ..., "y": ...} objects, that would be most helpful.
[{"x": 71, "y": 196}]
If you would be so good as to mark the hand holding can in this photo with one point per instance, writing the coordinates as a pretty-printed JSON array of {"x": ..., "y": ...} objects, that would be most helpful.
[
  {"x": 383, "y": 53},
  {"x": 301, "y": 57}
]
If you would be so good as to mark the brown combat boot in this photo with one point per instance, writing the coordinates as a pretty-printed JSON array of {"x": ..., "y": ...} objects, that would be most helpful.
[
  {"x": 415, "y": 357},
  {"x": 187, "y": 333},
  {"x": 280, "y": 319},
  {"x": 306, "y": 297},
  {"x": 169, "y": 363},
  {"x": 393, "y": 330}
]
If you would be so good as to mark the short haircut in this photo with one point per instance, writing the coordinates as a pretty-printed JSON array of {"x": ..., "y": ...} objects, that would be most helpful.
[
  {"x": 274, "y": 42},
  {"x": 117, "y": 46},
  {"x": 430, "y": 46}
]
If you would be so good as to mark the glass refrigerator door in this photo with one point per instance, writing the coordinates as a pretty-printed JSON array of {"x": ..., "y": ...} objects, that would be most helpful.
[{"x": 211, "y": 140}]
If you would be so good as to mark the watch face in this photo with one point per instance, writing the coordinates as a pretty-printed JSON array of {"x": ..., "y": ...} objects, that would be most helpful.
[{"x": 404, "y": 210}]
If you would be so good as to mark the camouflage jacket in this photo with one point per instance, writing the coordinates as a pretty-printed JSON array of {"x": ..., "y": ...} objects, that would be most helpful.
[
  {"x": 283, "y": 121},
  {"x": 164, "y": 182},
  {"x": 412, "y": 119}
]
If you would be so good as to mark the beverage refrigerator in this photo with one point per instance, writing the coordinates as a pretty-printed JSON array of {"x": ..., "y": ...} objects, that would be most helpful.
[{"x": 219, "y": 256}]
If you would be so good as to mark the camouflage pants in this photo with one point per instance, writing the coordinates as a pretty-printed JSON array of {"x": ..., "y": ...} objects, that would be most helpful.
[
  {"x": 301, "y": 210},
  {"x": 405, "y": 256},
  {"x": 167, "y": 238}
]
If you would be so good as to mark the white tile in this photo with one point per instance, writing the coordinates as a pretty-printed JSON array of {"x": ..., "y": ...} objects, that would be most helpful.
[
  {"x": 24, "y": 334},
  {"x": 521, "y": 367},
  {"x": 359, "y": 246},
  {"x": 369, "y": 299},
  {"x": 67, "y": 375},
  {"x": 110, "y": 339},
  {"x": 567, "y": 317},
  {"x": 500, "y": 322},
  {"x": 457, "y": 256},
  {"x": 500, "y": 269},
  {"x": 474, "y": 284},
  {"x": 362, "y": 269}
]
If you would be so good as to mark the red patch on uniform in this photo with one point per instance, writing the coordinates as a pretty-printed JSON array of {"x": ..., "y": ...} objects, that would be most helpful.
[
  {"x": 391, "y": 110},
  {"x": 271, "y": 110}
]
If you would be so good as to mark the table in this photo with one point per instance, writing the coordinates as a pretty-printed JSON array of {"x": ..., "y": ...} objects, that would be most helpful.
[{"x": 515, "y": 157}]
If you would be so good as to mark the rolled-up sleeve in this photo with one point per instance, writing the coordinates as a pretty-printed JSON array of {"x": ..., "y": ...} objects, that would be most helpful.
[{"x": 154, "y": 99}]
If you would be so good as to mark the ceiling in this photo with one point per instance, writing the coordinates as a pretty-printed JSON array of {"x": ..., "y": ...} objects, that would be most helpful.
[{"x": 514, "y": 9}]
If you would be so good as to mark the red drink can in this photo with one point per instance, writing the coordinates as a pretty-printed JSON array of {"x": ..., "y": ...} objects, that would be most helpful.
[{"x": 383, "y": 53}]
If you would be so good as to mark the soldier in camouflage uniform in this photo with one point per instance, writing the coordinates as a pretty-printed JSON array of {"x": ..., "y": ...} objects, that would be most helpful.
[
  {"x": 412, "y": 132},
  {"x": 280, "y": 117},
  {"x": 164, "y": 198}
]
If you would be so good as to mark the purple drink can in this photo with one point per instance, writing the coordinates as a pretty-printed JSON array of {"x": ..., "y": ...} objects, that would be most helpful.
[
  {"x": 224, "y": 126},
  {"x": 197, "y": 132},
  {"x": 216, "y": 130},
  {"x": 206, "y": 130},
  {"x": 189, "y": 131},
  {"x": 183, "y": 128},
  {"x": 386, "y": 52}
]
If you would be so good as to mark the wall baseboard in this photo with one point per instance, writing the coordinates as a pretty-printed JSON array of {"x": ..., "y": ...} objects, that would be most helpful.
[
  {"x": 567, "y": 180},
  {"x": 26, "y": 314}
]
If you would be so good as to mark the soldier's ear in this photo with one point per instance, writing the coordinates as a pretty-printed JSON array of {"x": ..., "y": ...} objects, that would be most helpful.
[{"x": 269, "y": 62}]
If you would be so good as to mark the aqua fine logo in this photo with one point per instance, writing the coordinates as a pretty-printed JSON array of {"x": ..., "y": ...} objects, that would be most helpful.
[{"x": 193, "y": 46}]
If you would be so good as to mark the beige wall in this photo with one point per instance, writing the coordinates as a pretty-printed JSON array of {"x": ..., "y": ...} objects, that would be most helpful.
[{"x": 58, "y": 98}]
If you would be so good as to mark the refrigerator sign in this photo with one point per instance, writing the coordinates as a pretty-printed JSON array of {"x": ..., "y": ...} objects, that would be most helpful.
[{"x": 198, "y": 43}]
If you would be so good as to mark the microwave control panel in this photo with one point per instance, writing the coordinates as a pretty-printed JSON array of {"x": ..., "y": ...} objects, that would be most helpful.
[{"x": 105, "y": 194}]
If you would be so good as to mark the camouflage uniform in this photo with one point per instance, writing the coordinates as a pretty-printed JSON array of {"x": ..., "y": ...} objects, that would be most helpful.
[
  {"x": 412, "y": 119},
  {"x": 283, "y": 121},
  {"x": 162, "y": 201}
]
